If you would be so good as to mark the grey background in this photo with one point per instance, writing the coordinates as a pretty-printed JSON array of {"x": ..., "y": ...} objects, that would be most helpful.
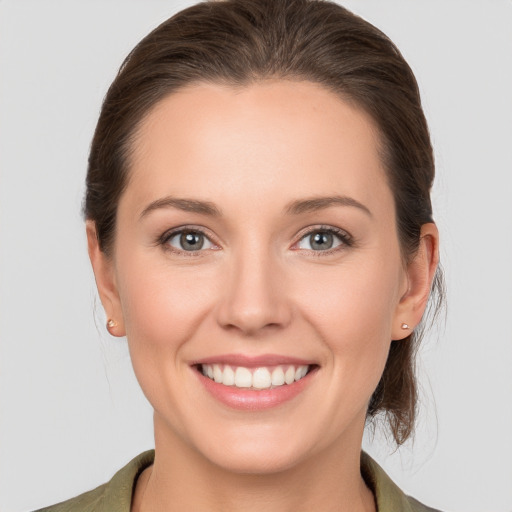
[{"x": 71, "y": 412}]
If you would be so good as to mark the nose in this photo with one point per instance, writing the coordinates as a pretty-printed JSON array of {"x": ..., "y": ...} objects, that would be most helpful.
[{"x": 254, "y": 298}]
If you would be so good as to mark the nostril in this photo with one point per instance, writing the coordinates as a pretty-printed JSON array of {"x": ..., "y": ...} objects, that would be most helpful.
[{"x": 251, "y": 320}]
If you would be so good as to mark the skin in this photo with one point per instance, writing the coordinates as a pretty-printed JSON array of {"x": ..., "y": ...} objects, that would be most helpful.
[{"x": 259, "y": 288}]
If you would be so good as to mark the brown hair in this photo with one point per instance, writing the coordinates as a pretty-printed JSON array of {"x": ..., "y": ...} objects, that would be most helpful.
[{"x": 238, "y": 42}]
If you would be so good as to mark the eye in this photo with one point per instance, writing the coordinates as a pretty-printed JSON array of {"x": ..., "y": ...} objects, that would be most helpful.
[
  {"x": 188, "y": 240},
  {"x": 323, "y": 240}
]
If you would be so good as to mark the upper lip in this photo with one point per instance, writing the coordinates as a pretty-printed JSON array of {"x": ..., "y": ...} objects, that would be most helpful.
[{"x": 253, "y": 361}]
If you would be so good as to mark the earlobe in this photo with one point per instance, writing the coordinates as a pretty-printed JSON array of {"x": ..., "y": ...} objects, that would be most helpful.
[
  {"x": 105, "y": 282},
  {"x": 420, "y": 275}
]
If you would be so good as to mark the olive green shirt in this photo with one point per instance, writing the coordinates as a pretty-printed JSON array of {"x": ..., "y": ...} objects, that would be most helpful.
[{"x": 116, "y": 495}]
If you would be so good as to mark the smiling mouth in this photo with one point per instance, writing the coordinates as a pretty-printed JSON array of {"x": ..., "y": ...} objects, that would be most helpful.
[{"x": 259, "y": 378}]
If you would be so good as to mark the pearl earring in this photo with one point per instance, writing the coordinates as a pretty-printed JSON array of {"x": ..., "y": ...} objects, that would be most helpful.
[
  {"x": 110, "y": 324},
  {"x": 405, "y": 327}
]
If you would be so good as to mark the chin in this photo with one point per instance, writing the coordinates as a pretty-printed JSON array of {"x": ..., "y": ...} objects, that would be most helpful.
[
  {"x": 257, "y": 453},
  {"x": 256, "y": 461}
]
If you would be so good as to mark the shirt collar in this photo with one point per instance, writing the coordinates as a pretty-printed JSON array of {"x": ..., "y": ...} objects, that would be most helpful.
[
  {"x": 118, "y": 493},
  {"x": 388, "y": 496}
]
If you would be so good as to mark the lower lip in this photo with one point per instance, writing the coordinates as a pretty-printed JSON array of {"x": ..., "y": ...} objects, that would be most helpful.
[{"x": 253, "y": 400}]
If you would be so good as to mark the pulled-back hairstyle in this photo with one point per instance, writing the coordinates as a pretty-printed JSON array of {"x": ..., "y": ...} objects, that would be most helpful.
[{"x": 240, "y": 42}]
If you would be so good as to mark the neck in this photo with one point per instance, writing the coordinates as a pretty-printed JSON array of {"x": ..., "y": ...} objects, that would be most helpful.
[{"x": 181, "y": 479}]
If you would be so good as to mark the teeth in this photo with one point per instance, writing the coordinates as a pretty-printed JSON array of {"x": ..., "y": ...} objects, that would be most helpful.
[
  {"x": 261, "y": 379},
  {"x": 243, "y": 378},
  {"x": 278, "y": 377},
  {"x": 255, "y": 378},
  {"x": 228, "y": 378},
  {"x": 289, "y": 376},
  {"x": 217, "y": 373}
]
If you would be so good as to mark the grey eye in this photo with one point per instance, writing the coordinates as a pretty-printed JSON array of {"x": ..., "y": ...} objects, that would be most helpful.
[
  {"x": 320, "y": 240},
  {"x": 190, "y": 241}
]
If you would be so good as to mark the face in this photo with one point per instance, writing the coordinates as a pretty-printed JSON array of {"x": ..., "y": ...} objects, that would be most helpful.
[{"x": 255, "y": 242}]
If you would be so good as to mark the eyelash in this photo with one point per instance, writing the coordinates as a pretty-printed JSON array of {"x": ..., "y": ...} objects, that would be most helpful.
[
  {"x": 345, "y": 238},
  {"x": 164, "y": 239}
]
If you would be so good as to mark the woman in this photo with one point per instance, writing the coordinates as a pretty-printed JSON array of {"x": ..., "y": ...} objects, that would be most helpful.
[{"x": 260, "y": 228}]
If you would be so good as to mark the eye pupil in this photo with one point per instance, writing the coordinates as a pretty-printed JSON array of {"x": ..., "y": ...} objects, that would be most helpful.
[
  {"x": 191, "y": 241},
  {"x": 321, "y": 240}
]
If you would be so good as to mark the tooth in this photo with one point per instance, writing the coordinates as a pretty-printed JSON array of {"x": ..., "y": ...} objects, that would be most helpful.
[
  {"x": 300, "y": 372},
  {"x": 278, "y": 376},
  {"x": 261, "y": 378},
  {"x": 217, "y": 373},
  {"x": 289, "y": 376},
  {"x": 228, "y": 376},
  {"x": 243, "y": 378}
]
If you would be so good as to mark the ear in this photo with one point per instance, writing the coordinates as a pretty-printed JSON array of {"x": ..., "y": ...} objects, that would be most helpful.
[
  {"x": 420, "y": 274},
  {"x": 103, "y": 268}
]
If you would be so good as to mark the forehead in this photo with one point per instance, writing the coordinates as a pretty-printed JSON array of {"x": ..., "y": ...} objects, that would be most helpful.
[{"x": 298, "y": 136}]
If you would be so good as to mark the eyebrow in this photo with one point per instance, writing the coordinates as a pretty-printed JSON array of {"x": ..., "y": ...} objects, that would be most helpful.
[
  {"x": 294, "y": 208},
  {"x": 320, "y": 203},
  {"x": 187, "y": 205}
]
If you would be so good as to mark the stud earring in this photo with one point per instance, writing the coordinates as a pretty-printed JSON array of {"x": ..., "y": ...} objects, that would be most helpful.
[
  {"x": 110, "y": 324},
  {"x": 405, "y": 327}
]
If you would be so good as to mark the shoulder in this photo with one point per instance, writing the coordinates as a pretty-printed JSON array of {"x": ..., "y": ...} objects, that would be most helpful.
[
  {"x": 86, "y": 502},
  {"x": 114, "y": 496},
  {"x": 388, "y": 495},
  {"x": 416, "y": 506}
]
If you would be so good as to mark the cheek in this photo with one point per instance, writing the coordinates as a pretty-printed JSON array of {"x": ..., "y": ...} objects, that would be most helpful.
[
  {"x": 162, "y": 304},
  {"x": 162, "y": 309},
  {"x": 352, "y": 307}
]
